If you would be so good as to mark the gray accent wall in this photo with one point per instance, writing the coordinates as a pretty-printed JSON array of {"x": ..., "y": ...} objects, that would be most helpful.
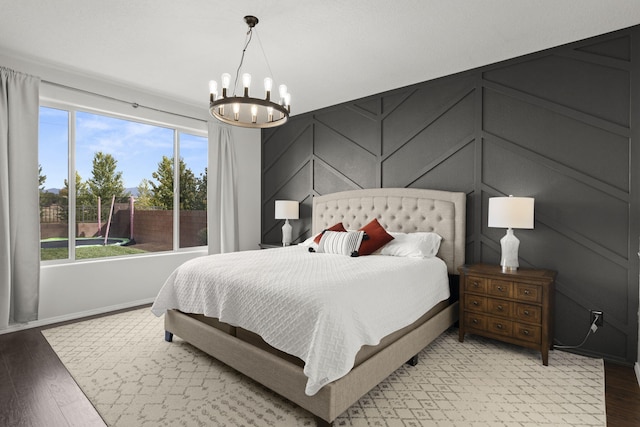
[{"x": 559, "y": 125}]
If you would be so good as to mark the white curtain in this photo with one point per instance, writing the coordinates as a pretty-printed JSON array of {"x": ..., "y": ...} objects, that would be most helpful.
[
  {"x": 19, "y": 208},
  {"x": 222, "y": 205}
]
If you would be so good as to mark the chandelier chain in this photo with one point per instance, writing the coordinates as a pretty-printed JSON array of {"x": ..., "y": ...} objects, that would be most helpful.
[
  {"x": 265, "y": 57},
  {"x": 246, "y": 45}
]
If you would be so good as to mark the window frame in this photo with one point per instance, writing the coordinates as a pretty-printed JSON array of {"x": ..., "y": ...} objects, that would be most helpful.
[{"x": 73, "y": 102}]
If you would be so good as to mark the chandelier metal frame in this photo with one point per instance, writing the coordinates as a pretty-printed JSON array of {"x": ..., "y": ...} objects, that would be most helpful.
[{"x": 247, "y": 111}]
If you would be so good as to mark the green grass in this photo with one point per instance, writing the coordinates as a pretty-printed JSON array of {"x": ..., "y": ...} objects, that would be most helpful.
[{"x": 88, "y": 252}]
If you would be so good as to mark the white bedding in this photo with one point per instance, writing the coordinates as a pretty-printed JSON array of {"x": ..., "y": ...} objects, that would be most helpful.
[{"x": 321, "y": 308}]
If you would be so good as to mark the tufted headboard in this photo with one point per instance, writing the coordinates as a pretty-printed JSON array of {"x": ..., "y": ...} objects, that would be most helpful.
[{"x": 400, "y": 209}]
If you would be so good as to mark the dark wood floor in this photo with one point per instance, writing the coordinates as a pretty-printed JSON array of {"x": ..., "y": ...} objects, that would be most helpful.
[{"x": 37, "y": 390}]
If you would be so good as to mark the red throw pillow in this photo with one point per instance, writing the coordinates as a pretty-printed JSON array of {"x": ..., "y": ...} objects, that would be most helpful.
[
  {"x": 336, "y": 227},
  {"x": 378, "y": 237}
]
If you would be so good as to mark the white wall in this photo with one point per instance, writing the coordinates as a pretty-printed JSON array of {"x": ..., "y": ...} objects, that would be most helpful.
[{"x": 73, "y": 290}]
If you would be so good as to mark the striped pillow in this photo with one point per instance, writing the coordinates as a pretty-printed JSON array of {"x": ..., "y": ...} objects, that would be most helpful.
[{"x": 341, "y": 243}]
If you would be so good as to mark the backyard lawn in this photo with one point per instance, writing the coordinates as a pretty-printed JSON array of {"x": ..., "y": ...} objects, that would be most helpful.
[{"x": 88, "y": 252}]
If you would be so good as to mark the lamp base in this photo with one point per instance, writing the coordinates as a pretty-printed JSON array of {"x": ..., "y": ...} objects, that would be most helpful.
[
  {"x": 509, "y": 244},
  {"x": 286, "y": 233}
]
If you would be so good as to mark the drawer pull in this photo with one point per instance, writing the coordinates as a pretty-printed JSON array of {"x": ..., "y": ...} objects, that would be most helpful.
[
  {"x": 499, "y": 325},
  {"x": 526, "y": 312},
  {"x": 500, "y": 289},
  {"x": 500, "y": 308},
  {"x": 475, "y": 303},
  {"x": 527, "y": 292},
  {"x": 475, "y": 321},
  {"x": 476, "y": 284},
  {"x": 525, "y": 331}
]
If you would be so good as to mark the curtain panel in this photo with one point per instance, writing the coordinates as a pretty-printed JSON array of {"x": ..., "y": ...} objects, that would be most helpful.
[
  {"x": 222, "y": 205},
  {"x": 19, "y": 203}
]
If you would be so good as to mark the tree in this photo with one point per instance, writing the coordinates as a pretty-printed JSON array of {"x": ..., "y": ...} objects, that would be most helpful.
[
  {"x": 106, "y": 181},
  {"x": 41, "y": 178},
  {"x": 191, "y": 188},
  {"x": 145, "y": 195}
]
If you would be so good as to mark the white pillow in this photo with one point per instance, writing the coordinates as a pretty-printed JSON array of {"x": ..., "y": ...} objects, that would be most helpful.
[
  {"x": 309, "y": 243},
  {"x": 340, "y": 243},
  {"x": 419, "y": 245}
]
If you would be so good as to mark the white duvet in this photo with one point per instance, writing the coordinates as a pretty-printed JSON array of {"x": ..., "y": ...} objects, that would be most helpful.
[{"x": 321, "y": 308}]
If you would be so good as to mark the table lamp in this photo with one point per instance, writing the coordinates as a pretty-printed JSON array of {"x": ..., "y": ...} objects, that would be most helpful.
[
  {"x": 286, "y": 209},
  {"x": 510, "y": 212}
]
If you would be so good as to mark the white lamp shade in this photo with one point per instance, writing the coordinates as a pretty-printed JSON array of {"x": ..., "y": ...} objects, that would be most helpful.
[
  {"x": 511, "y": 212},
  {"x": 287, "y": 209}
]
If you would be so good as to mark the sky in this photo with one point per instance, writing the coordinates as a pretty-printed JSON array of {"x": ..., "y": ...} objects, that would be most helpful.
[{"x": 137, "y": 147}]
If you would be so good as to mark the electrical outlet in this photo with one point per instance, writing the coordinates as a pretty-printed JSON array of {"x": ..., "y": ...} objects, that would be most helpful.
[{"x": 600, "y": 321}]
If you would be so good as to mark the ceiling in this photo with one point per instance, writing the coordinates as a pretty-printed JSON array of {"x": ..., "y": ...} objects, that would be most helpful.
[{"x": 327, "y": 51}]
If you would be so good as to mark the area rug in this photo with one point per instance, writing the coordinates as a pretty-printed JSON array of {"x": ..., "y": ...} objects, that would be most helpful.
[{"x": 134, "y": 378}]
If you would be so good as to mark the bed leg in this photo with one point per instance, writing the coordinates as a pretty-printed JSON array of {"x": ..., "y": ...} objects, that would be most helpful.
[
  {"x": 323, "y": 423},
  {"x": 168, "y": 336},
  {"x": 413, "y": 361}
]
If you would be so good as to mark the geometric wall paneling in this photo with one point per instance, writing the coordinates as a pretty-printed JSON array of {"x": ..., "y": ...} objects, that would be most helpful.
[
  {"x": 276, "y": 141},
  {"x": 562, "y": 126},
  {"x": 285, "y": 167},
  {"x": 436, "y": 139},
  {"x": 597, "y": 216},
  {"x": 349, "y": 157},
  {"x": 617, "y": 48},
  {"x": 452, "y": 172},
  {"x": 559, "y": 137},
  {"x": 420, "y": 109},
  {"x": 594, "y": 89},
  {"x": 356, "y": 127},
  {"x": 329, "y": 180}
]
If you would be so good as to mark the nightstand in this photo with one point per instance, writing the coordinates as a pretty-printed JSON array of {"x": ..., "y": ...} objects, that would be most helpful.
[
  {"x": 270, "y": 245},
  {"x": 515, "y": 307},
  {"x": 273, "y": 245}
]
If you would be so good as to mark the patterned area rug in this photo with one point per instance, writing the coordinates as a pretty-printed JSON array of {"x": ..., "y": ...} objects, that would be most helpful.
[{"x": 134, "y": 378}]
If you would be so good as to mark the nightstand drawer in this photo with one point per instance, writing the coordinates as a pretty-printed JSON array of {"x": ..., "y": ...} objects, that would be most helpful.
[
  {"x": 475, "y": 321},
  {"x": 499, "y": 326},
  {"x": 476, "y": 284},
  {"x": 475, "y": 303},
  {"x": 528, "y": 313},
  {"x": 499, "y": 307},
  {"x": 527, "y": 332},
  {"x": 500, "y": 288},
  {"x": 526, "y": 292}
]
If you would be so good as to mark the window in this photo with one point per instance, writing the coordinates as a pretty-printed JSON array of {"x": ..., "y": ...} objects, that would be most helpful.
[{"x": 121, "y": 200}]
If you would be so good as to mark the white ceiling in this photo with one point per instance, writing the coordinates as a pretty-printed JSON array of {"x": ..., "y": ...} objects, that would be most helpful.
[{"x": 327, "y": 51}]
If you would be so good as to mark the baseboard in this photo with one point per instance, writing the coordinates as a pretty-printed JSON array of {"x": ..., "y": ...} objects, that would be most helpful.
[
  {"x": 636, "y": 368},
  {"x": 74, "y": 316}
]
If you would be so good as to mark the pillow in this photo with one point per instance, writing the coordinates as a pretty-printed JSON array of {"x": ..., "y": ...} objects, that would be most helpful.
[
  {"x": 420, "y": 245},
  {"x": 376, "y": 238},
  {"x": 341, "y": 242},
  {"x": 336, "y": 227}
]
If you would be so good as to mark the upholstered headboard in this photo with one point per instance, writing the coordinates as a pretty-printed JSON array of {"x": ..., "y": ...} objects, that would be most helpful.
[{"x": 400, "y": 209}]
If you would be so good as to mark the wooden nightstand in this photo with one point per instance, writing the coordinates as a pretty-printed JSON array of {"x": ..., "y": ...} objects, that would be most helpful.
[{"x": 512, "y": 307}]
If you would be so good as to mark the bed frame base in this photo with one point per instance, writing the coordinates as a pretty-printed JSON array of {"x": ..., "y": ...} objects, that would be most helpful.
[{"x": 288, "y": 379}]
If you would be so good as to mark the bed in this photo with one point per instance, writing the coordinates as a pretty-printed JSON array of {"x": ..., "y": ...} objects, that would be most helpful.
[{"x": 397, "y": 210}]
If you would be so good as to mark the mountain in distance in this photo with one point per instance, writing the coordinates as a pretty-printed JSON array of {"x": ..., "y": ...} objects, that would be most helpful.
[{"x": 132, "y": 190}]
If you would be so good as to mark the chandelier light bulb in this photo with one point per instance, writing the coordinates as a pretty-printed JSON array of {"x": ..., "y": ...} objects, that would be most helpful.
[
  {"x": 213, "y": 90},
  {"x": 287, "y": 100},
  {"x": 246, "y": 83},
  {"x": 283, "y": 91},
  {"x": 254, "y": 113},
  {"x": 226, "y": 80},
  {"x": 269, "y": 114},
  {"x": 268, "y": 85},
  {"x": 236, "y": 112}
]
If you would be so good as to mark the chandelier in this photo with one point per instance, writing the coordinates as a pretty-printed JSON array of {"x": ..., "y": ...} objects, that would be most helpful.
[{"x": 245, "y": 110}]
